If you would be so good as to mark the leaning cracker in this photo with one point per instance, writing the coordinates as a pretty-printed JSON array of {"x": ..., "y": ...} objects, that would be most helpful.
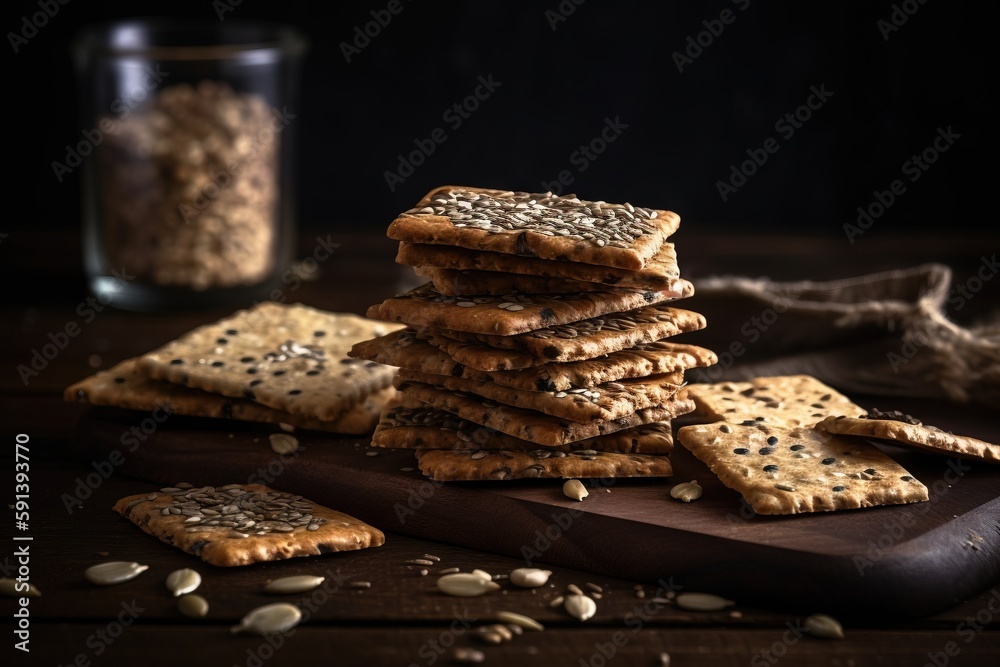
[
  {"x": 263, "y": 526},
  {"x": 794, "y": 400},
  {"x": 782, "y": 469},
  {"x": 288, "y": 357},
  {"x": 444, "y": 465},
  {"x": 924, "y": 436},
  {"x": 604, "y": 402},
  {"x": 659, "y": 272},
  {"x": 532, "y": 425},
  {"x": 122, "y": 386},
  {"x": 418, "y": 426},
  {"x": 514, "y": 313},
  {"x": 537, "y": 225}
]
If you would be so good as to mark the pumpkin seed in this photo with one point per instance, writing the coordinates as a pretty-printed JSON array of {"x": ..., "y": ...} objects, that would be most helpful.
[
  {"x": 702, "y": 602},
  {"x": 821, "y": 625},
  {"x": 465, "y": 584},
  {"x": 575, "y": 489},
  {"x": 183, "y": 581},
  {"x": 519, "y": 620},
  {"x": 271, "y": 618},
  {"x": 113, "y": 572},
  {"x": 296, "y": 584},
  {"x": 529, "y": 577},
  {"x": 17, "y": 588},
  {"x": 193, "y": 606},
  {"x": 580, "y": 606}
]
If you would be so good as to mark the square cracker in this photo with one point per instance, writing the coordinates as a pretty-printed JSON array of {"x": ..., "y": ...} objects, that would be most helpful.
[
  {"x": 513, "y": 313},
  {"x": 536, "y": 225},
  {"x": 414, "y": 425},
  {"x": 479, "y": 283},
  {"x": 122, "y": 386},
  {"x": 926, "y": 437},
  {"x": 270, "y": 535},
  {"x": 782, "y": 469},
  {"x": 602, "y": 402},
  {"x": 794, "y": 400},
  {"x": 531, "y": 425},
  {"x": 660, "y": 271},
  {"x": 444, "y": 465},
  {"x": 288, "y": 357}
]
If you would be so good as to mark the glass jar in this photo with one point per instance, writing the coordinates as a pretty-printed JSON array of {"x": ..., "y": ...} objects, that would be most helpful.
[{"x": 187, "y": 158}]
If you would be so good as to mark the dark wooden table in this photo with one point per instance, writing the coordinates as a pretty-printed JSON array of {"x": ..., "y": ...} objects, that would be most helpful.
[{"x": 400, "y": 620}]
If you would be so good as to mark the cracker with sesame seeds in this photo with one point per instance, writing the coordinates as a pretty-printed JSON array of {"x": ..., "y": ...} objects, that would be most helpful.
[
  {"x": 912, "y": 433},
  {"x": 794, "y": 400},
  {"x": 543, "y": 225},
  {"x": 288, "y": 357},
  {"x": 455, "y": 465},
  {"x": 788, "y": 469},
  {"x": 122, "y": 386}
]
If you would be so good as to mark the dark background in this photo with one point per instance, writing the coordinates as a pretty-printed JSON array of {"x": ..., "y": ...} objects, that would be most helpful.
[{"x": 607, "y": 59}]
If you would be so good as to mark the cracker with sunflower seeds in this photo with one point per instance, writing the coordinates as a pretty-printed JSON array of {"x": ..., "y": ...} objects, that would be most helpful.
[{"x": 453, "y": 465}]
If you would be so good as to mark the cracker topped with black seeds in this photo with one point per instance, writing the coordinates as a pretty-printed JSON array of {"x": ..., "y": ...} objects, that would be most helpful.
[{"x": 541, "y": 225}]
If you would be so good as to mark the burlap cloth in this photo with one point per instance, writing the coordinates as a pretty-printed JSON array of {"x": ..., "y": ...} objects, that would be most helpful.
[{"x": 879, "y": 334}]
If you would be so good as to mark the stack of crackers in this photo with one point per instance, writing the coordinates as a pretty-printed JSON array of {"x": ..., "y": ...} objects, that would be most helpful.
[
  {"x": 540, "y": 347},
  {"x": 272, "y": 363}
]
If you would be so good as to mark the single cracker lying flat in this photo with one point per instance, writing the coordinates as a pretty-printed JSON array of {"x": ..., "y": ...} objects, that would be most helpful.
[
  {"x": 577, "y": 341},
  {"x": 783, "y": 469},
  {"x": 478, "y": 283},
  {"x": 464, "y": 465},
  {"x": 926, "y": 437},
  {"x": 405, "y": 349},
  {"x": 416, "y": 426},
  {"x": 122, "y": 386},
  {"x": 513, "y": 313},
  {"x": 794, "y": 400},
  {"x": 603, "y": 402},
  {"x": 536, "y": 225},
  {"x": 262, "y": 528},
  {"x": 287, "y": 357},
  {"x": 532, "y": 425},
  {"x": 659, "y": 272}
]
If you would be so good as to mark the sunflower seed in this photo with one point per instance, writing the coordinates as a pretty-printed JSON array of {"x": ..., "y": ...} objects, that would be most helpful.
[
  {"x": 271, "y": 618},
  {"x": 580, "y": 607},
  {"x": 420, "y": 561},
  {"x": 183, "y": 581},
  {"x": 686, "y": 491},
  {"x": 702, "y": 602},
  {"x": 360, "y": 584},
  {"x": 664, "y": 659},
  {"x": 519, "y": 620},
  {"x": 575, "y": 489},
  {"x": 16, "y": 588},
  {"x": 574, "y": 589},
  {"x": 465, "y": 584},
  {"x": 488, "y": 636},
  {"x": 469, "y": 656},
  {"x": 557, "y": 601},
  {"x": 594, "y": 587},
  {"x": 193, "y": 606},
  {"x": 821, "y": 625},
  {"x": 529, "y": 577},
  {"x": 113, "y": 572},
  {"x": 295, "y": 584},
  {"x": 483, "y": 574},
  {"x": 448, "y": 570},
  {"x": 282, "y": 443}
]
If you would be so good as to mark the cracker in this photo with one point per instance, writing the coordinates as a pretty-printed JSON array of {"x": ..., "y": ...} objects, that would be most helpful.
[
  {"x": 478, "y": 283},
  {"x": 926, "y": 437},
  {"x": 453, "y": 465},
  {"x": 536, "y": 225},
  {"x": 288, "y": 357},
  {"x": 122, "y": 386},
  {"x": 532, "y": 425},
  {"x": 416, "y": 426},
  {"x": 659, "y": 272},
  {"x": 784, "y": 469},
  {"x": 604, "y": 402},
  {"x": 794, "y": 400},
  {"x": 577, "y": 341},
  {"x": 513, "y": 313},
  {"x": 230, "y": 546}
]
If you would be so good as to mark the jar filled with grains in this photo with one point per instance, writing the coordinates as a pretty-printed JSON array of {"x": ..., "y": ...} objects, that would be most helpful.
[{"x": 186, "y": 157}]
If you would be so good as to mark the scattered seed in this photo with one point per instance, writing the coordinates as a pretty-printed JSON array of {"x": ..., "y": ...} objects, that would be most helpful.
[
  {"x": 557, "y": 602},
  {"x": 660, "y": 600},
  {"x": 287, "y": 428},
  {"x": 420, "y": 561},
  {"x": 664, "y": 659},
  {"x": 574, "y": 589},
  {"x": 575, "y": 489},
  {"x": 16, "y": 588},
  {"x": 183, "y": 581},
  {"x": 736, "y": 613},
  {"x": 702, "y": 602},
  {"x": 501, "y": 630},
  {"x": 295, "y": 584},
  {"x": 433, "y": 558},
  {"x": 594, "y": 587},
  {"x": 271, "y": 618},
  {"x": 529, "y": 577},
  {"x": 423, "y": 573},
  {"x": 468, "y": 656},
  {"x": 465, "y": 584},
  {"x": 580, "y": 606},
  {"x": 821, "y": 625},
  {"x": 193, "y": 606},
  {"x": 596, "y": 596},
  {"x": 360, "y": 584},
  {"x": 488, "y": 636},
  {"x": 519, "y": 620},
  {"x": 483, "y": 574},
  {"x": 113, "y": 572},
  {"x": 449, "y": 570},
  {"x": 640, "y": 594},
  {"x": 282, "y": 443},
  {"x": 686, "y": 491}
]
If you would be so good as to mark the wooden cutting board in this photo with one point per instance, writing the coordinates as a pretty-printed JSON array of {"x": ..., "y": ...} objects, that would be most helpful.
[{"x": 907, "y": 560}]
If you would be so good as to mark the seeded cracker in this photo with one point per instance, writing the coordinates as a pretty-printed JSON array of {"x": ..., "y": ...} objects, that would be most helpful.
[
  {"x": 414, "y": 425},
  {"x": 241, "y": 524},
  {"x": 464, "y": 465},
  {"x": 287, "y": 357},
  {"x": 479, "y": 283},
  {"x": 781, "y": 469},
  {"x": 660, "y": 271},
  {"x": 513, "y": 313},
  {"x": 924, "y": 436},
  {"x": 604, "y": 402},
  {"x": 405, "y": 350},
  {"x": 531, "y": 425},
  {"x": 537, "y": 225},
  {"x": 122, "y": 386}
]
